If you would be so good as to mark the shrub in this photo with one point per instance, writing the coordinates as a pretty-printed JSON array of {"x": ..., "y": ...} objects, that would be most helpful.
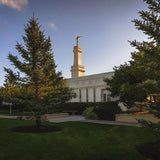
[
  {"x": 80, "y": 107},
  {"x": 108, "y": 112},
  {"x": 14, "y": 107},
  {"x": 89, "y": 113},
  {"x": 105, "y": 111}
]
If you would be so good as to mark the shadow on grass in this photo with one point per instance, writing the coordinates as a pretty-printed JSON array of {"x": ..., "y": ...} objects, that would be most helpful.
[
  {"x": 35, "y": 129},
  {"x": 150, "y": 150}
]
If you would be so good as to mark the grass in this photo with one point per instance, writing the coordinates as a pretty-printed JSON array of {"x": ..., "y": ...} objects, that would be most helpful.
[{"x": 76, "y": 140}]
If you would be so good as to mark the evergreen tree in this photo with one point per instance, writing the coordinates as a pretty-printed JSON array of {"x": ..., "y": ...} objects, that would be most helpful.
[
  {"x": 124, "y": 84},
  {"x": 140, "y": 78},
  {"x": 44, "y": 86},
  {"x": 149, "y": 57},
  {"x": 8, "y": 91}
]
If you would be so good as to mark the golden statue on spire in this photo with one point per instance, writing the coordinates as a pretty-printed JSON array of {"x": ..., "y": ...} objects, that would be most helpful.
[{"x": 77, "y": 39}]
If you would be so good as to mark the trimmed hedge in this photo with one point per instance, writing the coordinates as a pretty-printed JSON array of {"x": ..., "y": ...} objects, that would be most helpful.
[
  {"x": 108, "y": 111},
  {"x": 105, "y": 110},
  {"x": 17, "y": 107}
]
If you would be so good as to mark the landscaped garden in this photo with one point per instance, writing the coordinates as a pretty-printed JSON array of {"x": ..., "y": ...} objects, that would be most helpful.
[
  {"x": 37, "y": 88},
  {"x": 76, "y": 140}
]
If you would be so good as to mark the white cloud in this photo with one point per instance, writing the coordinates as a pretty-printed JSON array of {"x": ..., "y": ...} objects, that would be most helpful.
[
  {"x": 52, "y": 25},
  {"x": 15, "y": 4}
]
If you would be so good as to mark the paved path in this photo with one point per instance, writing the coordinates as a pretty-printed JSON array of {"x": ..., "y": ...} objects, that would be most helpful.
[
  {"x": 112, "y": 122},
  {"x": 12, "y": 117},
  {"x": 82, "y": 119},
  {"x": 66, "y": 119}
]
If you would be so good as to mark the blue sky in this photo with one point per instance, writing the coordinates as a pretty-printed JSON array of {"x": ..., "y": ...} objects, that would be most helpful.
[{"x": 105, "y": 26}]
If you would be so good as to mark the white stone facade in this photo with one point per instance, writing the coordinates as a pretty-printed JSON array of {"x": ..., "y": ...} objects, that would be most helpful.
[{"x": 90, "y": 88}]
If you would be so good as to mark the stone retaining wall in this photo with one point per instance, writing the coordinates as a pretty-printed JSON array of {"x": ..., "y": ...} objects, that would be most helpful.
[
  {"x": 58, "y": 115},
  {"x": 131, "y": 118},
  {"x": 52, "y": 116}
]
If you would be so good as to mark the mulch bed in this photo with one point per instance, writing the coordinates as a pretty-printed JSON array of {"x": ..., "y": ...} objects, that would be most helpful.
[
  {"x": 34, "y": 129},
  {"x": 150, "y": 150}
]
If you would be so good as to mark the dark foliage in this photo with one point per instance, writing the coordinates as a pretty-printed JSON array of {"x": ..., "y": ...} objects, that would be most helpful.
[
  {"x": 108, "y": 111},
  {"x": 105, "y": 110},
  {"x": 139, "y": 78}
]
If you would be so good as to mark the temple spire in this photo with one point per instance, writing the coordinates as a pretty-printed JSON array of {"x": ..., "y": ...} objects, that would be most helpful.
[{"x": 77, "y": 70}]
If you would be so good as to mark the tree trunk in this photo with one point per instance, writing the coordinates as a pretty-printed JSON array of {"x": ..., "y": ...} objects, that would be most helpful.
[
  {"x": 38, "y": 121},
  {"x": 38, "y": 117},
  {"x": 10, "y": 108}
]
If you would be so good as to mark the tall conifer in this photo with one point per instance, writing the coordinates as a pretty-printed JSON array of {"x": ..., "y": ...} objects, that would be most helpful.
[
  {"x": 36, "y": 62},
  {"x": 139, "y": 80}
]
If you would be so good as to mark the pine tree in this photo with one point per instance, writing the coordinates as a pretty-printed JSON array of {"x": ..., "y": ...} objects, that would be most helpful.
[
  {"x": 44, "y": 86},
  {"x": 8, "y": 91},
  {"x": 139, "y": 79},
  {"x": 148, "y": 57}
]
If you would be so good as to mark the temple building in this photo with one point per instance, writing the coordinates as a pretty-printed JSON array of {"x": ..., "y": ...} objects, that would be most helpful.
[{"x": 90, "y": 88}]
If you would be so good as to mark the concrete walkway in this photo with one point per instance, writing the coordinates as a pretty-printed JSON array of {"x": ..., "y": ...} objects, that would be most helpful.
[
  {"x": 67, "y": 119},
  {"x": 82, "y": 119},
  {"x": 11, "y": 117},
  {"x": 112, "y": 122}
]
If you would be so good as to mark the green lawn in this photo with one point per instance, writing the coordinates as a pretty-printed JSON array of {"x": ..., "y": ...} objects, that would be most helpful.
[{"x": 76, "y": 141}]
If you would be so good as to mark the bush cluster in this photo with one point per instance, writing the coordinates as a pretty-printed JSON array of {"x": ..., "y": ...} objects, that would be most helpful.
[
  {"x": 14, "y": 107},
  {"x": 108, "y": 112},
  {"x": 104, "y": 111},
  {"x": 89, "y": 113}
]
